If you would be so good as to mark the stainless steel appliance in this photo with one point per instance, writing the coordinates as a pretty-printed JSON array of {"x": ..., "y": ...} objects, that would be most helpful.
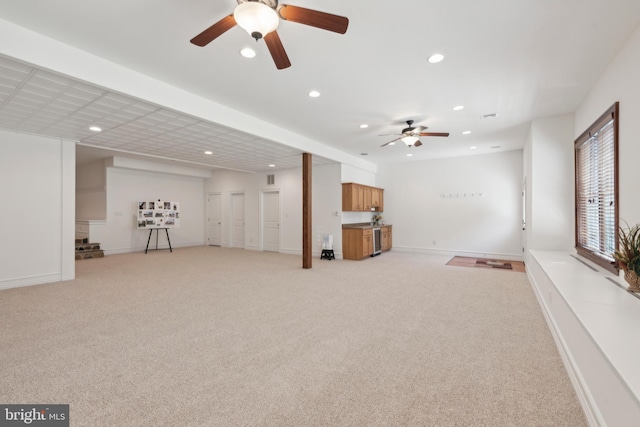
[{"x": 377, "y": 242}]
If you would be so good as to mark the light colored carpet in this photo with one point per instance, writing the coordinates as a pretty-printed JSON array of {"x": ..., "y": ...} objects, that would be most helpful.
[{"x": 209, "y": 336}]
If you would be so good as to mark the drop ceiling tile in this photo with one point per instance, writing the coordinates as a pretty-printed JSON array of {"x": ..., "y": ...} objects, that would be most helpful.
[
  {"x": 140, "y": 110},
  {"x": 8, "y": 84},
  {"x": 97, "y": 108},
  {"x": 63, "y": 106},
  {"x": 10, "y": 64},
  {"x": 19, "y": 110},
  {"x": 109, "y": 102},
  {"x": 70, "y": 99},
  {"x": 27, "y": 104},
  {"x": 85, "y": 92}
]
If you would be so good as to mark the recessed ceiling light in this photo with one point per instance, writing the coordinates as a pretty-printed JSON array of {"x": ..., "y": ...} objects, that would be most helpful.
[
  {"x": 392, "y": 143},
  {"x": 364, "y": 126},
  {"x": 95, "y": 129},
  {"x": 248, "y": 52},
  {"x": 458, "y": 108},
  {"x": 208, "y": 153},
  {"x": 314, "y": 94},
  {"x": 409, "y": 155},
  {"x": 272, "y": 166},
  {"x": 472, "y": 148},
  {"x": 435, "y": 58},
  {"x": 466, "y": 132}
]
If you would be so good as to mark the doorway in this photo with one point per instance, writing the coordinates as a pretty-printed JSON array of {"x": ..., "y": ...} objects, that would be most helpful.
[
  {"x": 214, "y": 219},
  {"x": 271, "y": 221},
  {"x": 237, "y": 220},
  {"x": 524, "y": 217}
]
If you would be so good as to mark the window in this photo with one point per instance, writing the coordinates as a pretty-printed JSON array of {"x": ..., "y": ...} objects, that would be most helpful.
[{"x": 596, "y": 158}]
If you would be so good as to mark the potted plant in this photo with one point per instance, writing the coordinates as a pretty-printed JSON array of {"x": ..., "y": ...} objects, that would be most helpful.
[
  {"x": 628, "y": 255},
  {"x": 376, "y": 219}
]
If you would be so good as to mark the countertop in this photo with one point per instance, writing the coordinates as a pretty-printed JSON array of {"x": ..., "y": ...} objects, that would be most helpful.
[{"x": 364, "y": 225}]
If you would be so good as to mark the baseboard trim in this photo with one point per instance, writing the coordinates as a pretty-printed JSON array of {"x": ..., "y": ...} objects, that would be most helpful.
[
  {"x": 30, "y": 281},
  {"x": 118, "y": 251}
]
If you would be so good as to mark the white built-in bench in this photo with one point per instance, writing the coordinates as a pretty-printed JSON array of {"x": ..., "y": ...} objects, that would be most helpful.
[{"x": 596, "y": 325}]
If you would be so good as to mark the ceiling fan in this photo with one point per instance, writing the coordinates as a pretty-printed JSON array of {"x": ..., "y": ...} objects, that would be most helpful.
[
  {"x": 260, "y": 18},
  {"x": 411, "y": 135}
]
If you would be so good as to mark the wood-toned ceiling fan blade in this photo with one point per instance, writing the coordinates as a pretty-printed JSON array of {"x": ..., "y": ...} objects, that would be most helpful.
[
  {"x": 214, "y": 31},
  {"x": 277, "y": 50},
  {"x": 393, "y": 140},
  {"x": 417, "y": 143},
  {"x": 434, "y": 134},
  {"x": 314, "y": 18}
]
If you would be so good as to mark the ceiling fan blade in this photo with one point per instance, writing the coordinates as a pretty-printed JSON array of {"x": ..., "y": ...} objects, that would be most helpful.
[
  {"x": 214, "y": 31},
  {"x": 393, "y": 140},
  {"x": 434, "y": 134},
  {"x": 314, "y": 18},
  {"x": 417, "y": 143},
  {"x": 277, "y": 50}
]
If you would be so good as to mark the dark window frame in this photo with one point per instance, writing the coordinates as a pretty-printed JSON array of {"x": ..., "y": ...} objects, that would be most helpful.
[{"x": 606, "y": 261}]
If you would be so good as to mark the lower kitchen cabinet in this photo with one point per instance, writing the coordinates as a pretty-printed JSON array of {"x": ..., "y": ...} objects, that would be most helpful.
[
  {"x": 387, "y": 239},
  {"x": 357, "y": 243}
]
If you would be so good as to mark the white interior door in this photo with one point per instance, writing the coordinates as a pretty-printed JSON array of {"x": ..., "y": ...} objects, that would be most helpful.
[
  {"x": 237, "y": 209},
  {"x": 214, "y": 220},
  {"x": 271, "y": 221},
  {"x": 524, "y": 217}
]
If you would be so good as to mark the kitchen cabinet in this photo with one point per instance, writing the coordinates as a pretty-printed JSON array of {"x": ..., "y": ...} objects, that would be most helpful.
[
  {"x": 367, "y": 198},
  {"x": 367, "y": 243},
  {"x": 386, "y": 236},
  {"x": 377, "y": 199},
  {"x": 361, "y": 198},
  {"x": 357, "y": 242}
]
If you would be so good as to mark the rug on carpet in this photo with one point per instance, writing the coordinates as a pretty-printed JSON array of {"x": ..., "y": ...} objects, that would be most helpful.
[
  {"x": 492, "y": 263},
  {"x": 460, "y": 261}
]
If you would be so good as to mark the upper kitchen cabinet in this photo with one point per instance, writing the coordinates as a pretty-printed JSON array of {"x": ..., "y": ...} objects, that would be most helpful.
[{"x": 361, "y": 198}]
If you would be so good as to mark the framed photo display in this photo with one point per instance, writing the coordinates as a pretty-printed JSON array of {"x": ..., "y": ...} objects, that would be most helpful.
[{"x": 158, "y": 214}]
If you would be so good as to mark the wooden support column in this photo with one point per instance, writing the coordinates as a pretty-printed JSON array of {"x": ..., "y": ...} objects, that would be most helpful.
[{"x": 307, "y": 238}]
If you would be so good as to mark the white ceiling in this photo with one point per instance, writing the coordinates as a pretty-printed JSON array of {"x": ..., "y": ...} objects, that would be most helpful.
[{"x": 521, "y": 59}]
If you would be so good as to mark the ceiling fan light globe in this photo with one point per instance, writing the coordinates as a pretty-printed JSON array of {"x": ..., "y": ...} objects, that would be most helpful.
[
  {"x": 409, "y": 140},
  {"x": 256, "y": 18}
]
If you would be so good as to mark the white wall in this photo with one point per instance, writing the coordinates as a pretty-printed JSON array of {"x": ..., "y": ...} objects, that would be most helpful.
[
  {"x": 549, "y": 174},
  {"x": 327, "y": 201},
  {"x": 91, "y": 191},
  {"x": 37, "y": 227},
  {"x": 125, "y": 187},
  {"x": 480, "y": 225},
  {"x": 620, "y": 82},
  {"x": 327, "y": 206}
]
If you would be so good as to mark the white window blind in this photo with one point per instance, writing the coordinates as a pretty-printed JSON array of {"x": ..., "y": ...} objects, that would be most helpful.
[{"x": 596, "y": 190}]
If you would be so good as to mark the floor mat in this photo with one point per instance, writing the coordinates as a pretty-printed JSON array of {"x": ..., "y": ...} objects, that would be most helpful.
[{"x": 460, "y": 261}]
